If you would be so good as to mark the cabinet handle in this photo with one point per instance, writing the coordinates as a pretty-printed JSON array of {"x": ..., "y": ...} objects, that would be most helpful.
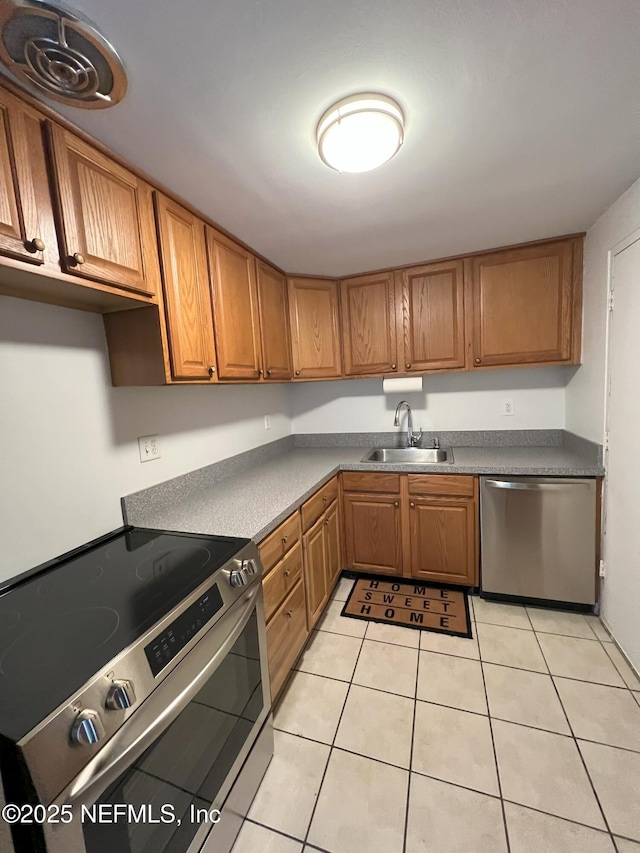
[
  {"x": 287, "y": 573},
  {"x": 412, "y": 505},
  {"x": 394, "y": 367},
  {"x": 325, "y": 498},
  {"x": 289, "y": 614},
  {"x": 268, "y": 372},
  {"x": 77, "y": 259},
  {"x": 212, "y": 370},
  {"x": 326, "y": 522},
  {"x": 477, "y": 360},
  {"x": 35, "y": 245},
  {"x": 408, "y": 365},
  {"x": 396, "y": 503},
  {"x": 297, "y": 373},
  {"x": 284, "y": 540}
]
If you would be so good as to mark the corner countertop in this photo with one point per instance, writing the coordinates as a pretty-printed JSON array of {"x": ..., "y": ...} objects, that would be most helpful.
[{"x": 253, "y": 502}]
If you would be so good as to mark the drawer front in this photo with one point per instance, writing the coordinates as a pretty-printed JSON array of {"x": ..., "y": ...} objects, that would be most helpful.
[
  {"x": 286, "y": 634},
  {"x": 281, "y": 580},
  {"x": 453, "y": 485},
  {"x": 316, "y": 505},
  {"x": 353, "y": 481},
  {"x": 283, "y": 538}
]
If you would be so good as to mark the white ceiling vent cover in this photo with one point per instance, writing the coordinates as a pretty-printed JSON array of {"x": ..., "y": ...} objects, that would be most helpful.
[{"x": 61, "y": 54}]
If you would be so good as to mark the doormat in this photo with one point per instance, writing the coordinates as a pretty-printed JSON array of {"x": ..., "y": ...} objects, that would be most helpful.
[{"x": 411, "y": 604}]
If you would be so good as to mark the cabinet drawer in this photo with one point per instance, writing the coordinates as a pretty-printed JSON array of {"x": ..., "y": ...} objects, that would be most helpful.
[
  {"x": 281, "y": 580},
  {"x": 316, "y": 505},
  {"x": 283, "y": 538},
  {"x": 286, "y": 634},
  {"x": 441, "y": 484},
  {"x": 353, "y": 481}
]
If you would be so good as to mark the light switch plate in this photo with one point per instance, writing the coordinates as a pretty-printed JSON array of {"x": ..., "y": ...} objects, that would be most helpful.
[{"x": 149, "y": 447}]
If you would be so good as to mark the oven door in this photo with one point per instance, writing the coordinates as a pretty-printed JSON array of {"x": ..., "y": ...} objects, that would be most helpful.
[{"x": 155, "y": 786}]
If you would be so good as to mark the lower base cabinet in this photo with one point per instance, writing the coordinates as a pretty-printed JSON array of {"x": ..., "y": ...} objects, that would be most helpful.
[
  {"x": 412, "y": 525},
  {"x": 286, "y": 635},
  {"x": 322, "y": 562}
]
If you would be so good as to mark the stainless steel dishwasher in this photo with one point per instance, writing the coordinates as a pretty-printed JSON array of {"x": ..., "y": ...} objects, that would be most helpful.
[{"x": 538, "y": 538}]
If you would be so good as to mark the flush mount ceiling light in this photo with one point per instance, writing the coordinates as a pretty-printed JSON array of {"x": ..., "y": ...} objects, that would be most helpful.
[{"x": 360, "y": 133}]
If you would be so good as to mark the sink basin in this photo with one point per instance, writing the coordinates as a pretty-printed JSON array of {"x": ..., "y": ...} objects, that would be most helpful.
[{"x": 409, "y": 455}]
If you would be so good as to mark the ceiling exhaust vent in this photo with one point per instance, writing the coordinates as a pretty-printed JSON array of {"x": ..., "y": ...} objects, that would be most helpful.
[{"x": 60, "y": 53}]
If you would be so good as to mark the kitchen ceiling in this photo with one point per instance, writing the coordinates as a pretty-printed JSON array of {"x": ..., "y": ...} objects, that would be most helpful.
[{"x": 522, "y": 118}]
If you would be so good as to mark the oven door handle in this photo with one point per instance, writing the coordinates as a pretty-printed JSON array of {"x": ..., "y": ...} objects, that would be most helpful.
[{"x": 157, "y": 712}]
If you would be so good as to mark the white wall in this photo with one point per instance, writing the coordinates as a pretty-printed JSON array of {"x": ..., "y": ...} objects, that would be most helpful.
[
  {"x": 448, "y": 402},
  {"x": 585, "y": 392},
  {"x": 68, "y": 440}
]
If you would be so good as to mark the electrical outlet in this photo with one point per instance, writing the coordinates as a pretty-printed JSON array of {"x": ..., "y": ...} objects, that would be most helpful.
[
  {"x": 507, "y": 408},
  {"x": 267, "y": 421},
  {"x": 149, "y": 447}
]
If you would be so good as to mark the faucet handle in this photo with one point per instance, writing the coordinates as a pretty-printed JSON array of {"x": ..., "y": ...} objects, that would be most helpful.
[
  {"x": 436, "y": 443},
  {"x": 416, "y": 438}
]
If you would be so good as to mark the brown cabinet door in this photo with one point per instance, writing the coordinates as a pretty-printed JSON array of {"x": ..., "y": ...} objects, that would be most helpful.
[
  {"x": 315, "y": 571},
  {"x": 315, "y": 335},
  {"x": 274, "y": 322},
  {"x": 442, "y": 533},
  {"x": 369, "y": 324},
  {"x": 186, "y": 291},
  {"x": 26, "y": 217},
  {"x": 522, "y": 305},
  {"x": 286, "y": 635},
  {"x": 433, "y": 308},
  {"x": 235, "y": 308},
  {"x": 106, "y": 228},
  {"x": 373, "y": 532},
  {"x": 332, "y": 542}
]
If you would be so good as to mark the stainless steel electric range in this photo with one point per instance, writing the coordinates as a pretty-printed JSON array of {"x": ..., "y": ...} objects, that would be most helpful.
[{"x": 134, "y": 695}]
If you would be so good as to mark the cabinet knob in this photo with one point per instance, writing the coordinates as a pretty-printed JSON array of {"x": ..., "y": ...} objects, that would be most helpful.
[
  {"x": 259, "y": 371},
  {"x": 396, "y": 503},
  {"x": 394, "y": 367},
  {"x": 477, "y": 360},
  {"x": 211, "y": 370},
  {"x": 268, "y": 372},
  {"x": 408, "y": 365},
  {"x": 326, "y": 522},
  {"x": 325, "y": 498},
  {"x": 287, "y": 573},
  {"x": 35, "y": 245},
  {"x": 289, "y": 614},
  {"x": 297, "y": 373},
  {"x": 412, "y": 505},
  {"x": 77, "y": 258},
  {"x": 284, "y": 540}
]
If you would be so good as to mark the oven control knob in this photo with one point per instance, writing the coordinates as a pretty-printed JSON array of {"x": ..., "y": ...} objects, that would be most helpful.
[
  {"x": 87, "y": 728},
  {"x": 237, "y": 577},
  {"x": 121, "y": 695},
  {"x": 250, "y": 567}
]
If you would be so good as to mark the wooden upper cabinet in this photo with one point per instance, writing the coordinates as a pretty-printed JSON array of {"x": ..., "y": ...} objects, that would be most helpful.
[
  {"x": 186, "y": 291},
  {"x": 433, "y": 309},
  {"x": 315, "y": 329},
  {"x": 524, "y": 301},
  {"x": 370, "y": 313},
  {"x": 274, "y": 322},
  {"x": 26, "y": 218},
  {"x": 235, "y": 308},
  {"x": 106, "y": 217}
]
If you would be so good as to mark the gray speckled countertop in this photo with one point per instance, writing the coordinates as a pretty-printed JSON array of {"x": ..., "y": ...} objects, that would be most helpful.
[{"x": 252, "y": 502}]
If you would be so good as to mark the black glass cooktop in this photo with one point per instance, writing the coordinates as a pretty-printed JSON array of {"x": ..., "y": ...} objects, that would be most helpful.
[{"x": 59, "y": 625}]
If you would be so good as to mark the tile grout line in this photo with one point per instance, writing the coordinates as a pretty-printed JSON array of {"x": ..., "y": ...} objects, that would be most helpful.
[
  {"x": 495, "y": 754},
  {"x": 332, "y": 745},
  {"x": 413, "y": 732},
  {"x": 577, "y": 745}
]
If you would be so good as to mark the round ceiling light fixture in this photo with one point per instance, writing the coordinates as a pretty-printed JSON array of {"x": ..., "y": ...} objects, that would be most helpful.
[{"x": 360, "y": 133}]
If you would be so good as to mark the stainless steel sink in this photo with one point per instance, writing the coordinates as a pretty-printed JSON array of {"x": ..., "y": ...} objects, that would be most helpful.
[{"x": 409, "y": 455}]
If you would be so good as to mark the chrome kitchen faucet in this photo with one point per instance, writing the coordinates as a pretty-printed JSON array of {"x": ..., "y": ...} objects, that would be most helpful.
[{"x": 413, "y": 440}]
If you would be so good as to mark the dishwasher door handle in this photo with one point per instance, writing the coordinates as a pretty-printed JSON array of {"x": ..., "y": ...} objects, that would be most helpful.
[{"x": 535, "y": 487}]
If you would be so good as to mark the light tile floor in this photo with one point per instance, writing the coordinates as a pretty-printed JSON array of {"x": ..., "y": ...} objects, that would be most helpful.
[{"x": 524, "y": 739}]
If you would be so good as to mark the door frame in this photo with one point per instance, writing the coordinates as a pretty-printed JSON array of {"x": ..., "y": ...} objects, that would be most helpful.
[{"x": 620, "y": 247}]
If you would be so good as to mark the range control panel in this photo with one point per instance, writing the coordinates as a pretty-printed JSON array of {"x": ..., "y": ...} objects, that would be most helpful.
[{"x": 166, "y": 646}]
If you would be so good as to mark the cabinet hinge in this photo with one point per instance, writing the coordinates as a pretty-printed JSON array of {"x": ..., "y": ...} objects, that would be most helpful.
[
  {"x": 610, "y": 301},
  {"x": 605, "y": 443}
]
